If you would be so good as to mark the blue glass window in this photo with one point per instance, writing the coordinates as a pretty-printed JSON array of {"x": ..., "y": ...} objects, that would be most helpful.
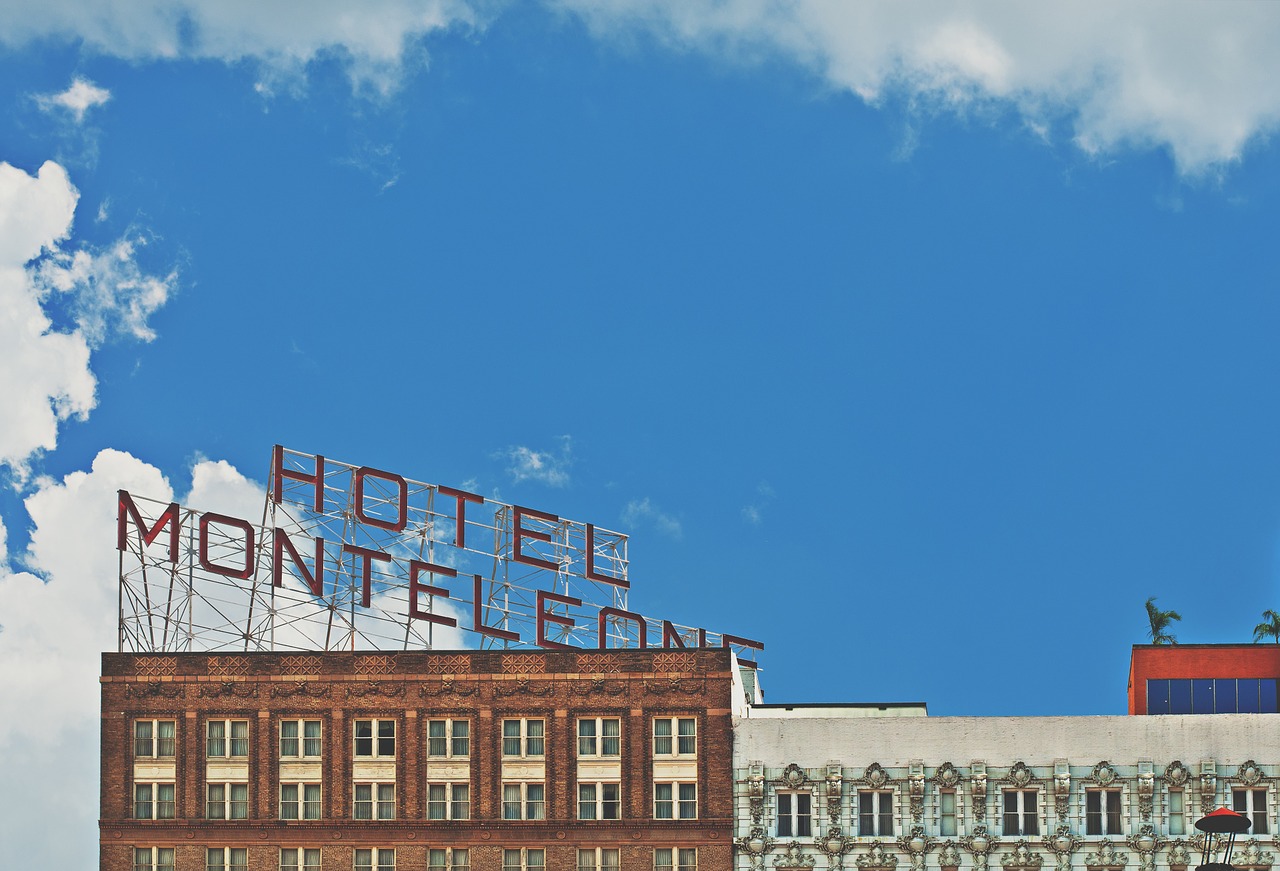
[
  {"x": 1202, "y": 695},
  {"x": 1267, "y": 697},
  {"x": 1212, "y": 696},
  {"x": 1224, "y": 696},
  {"x": 1247, "y": 696},
  {"x": 1179, "y": 696},
  {"x": 1158, "y": 697}
]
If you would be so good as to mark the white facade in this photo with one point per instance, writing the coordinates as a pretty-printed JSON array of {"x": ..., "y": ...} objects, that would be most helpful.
[{"x": 822, "y": 789}]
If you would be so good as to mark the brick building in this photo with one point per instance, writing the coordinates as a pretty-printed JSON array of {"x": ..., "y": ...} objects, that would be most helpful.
[{"x": 418, "y": 761}]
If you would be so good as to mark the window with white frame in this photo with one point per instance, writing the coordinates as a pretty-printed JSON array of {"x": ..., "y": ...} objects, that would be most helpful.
[
  {"x": 299, "y": 801},
  {"x": 523, "y": 738},
  {"x": 226, "y": 859},
  {"x": 795, "y": 813},
  {"x": 1020, "y": 812},
  {"x": 875, "y": 813},
  {"x": 1253, "y": 804},
  {"x": 300, "y": 739},
  {"x": 675, "y": 801},
  {"x": 947, "y": 813},
  {"x": 524, "y": 859},
  {"x": 675, "y": 737},
  {"x": 226, "y": 801},
  {"x": 375, "y": 739},
  {"x": 153, "y": 801},
  {"x": 374, "y": 801},
  {"x": 1176, "y": 813},
  {"x": 154, "y": 739},
  {"x": 299, "y": 859},
  {"x": 375, "y": 859},
  {"x": 599, "y": 859},
  {"x": 448, "y": 859},
  {"x": 599, "y": 801},
  {"x": 153, "y": 858},
  {"x": 448, "y": 801},
  {"x": 675, "y": 859},
  {"x": 524, "y": 801},
  {"x": 1102, "y": 812},
  {"x": 600, "y": 737},
  {"x": 226, "y": 739},
  {"x": 449, "y": 739}
]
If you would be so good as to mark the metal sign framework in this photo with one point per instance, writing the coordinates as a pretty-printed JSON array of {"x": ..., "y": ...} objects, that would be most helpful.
[{"x": 521, "y": 574}]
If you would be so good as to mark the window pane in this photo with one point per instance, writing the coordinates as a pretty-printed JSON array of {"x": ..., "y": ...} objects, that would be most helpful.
[
  {"x": 216, "y": 744},
  {"x": 587, "y": 802},
  {"x": 1158, "y": 696},
  {"x": 610, "y": 803},
  {"x": 461, "y": 738},
  {"x": 534, "y": 803},
  {"x": 535, "y": 859},
  {"x": 511, "y": 801},
  {"x": 239, "y": 737},
  {"x": 164, "y": 801},
  {"x": 662, "y": 860},
  {"x": 535, "y": 739},
  {"x": 662, "y": 737},
  {"x": 239, "y": 801},
  {"x": 311, "y": 738},
  {"x": 1202, "y": 695},
  {"x": 311, "y": 801},
  {"x": 802, "y": 814},
  {"x": 288, "y": 801},
  {"x": 461, "y": 801},
  {"x": 688, "y": 737},
  {"x": 142, "y": 801},
  {"x": 386, "y": 737},
  {"x": 386, "y": 801},
  {"x": 947, "y": 813},
  {"x": 1248, "y": 700},
  {"x": 611, "y": 742},
  {"x": 688, "y": 801},
  {"x": 364, "y": 737},
  {"x": 437, "y": 738},
  {"x": 1224, "y": 696}
]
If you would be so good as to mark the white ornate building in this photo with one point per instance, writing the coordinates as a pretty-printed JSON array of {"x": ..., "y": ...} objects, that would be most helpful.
[{"x": 891, "y": 789}]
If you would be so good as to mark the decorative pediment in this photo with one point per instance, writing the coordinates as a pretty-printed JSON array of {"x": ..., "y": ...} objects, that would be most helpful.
[
  {"x": 835, "y": 844},
  {"x": 875, "y": 776},
  {"x": 1146, "y": 842},
  {"x": 1251, "y": 855},
  {"x": 946, "y": 776},
  {"x": 794, "y": 857},
  {"x": 755, "y": 843},
  {"x": 876, "y": 857},
  {"x": 916, "y": 844},
  {"x": 980, "y": 844},
  {"x": 1176, "y": 774},
  {"x": 948, "y": 855},
  {"x": 1249, "y": 774},
  {"x": 1062, "y": 844},
  {"x": 1020, "y": 775},
  {"x": 793, "y": 777},
  {"x": 1103, "y": 774},
  {"x": 1179, "y": 854},
  {"x": 1022, "y": 856},
  {"x": 1106, "y": 856}
]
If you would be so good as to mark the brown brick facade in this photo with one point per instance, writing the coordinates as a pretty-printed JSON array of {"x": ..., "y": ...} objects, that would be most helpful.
[{"x": 483, "y": 688}]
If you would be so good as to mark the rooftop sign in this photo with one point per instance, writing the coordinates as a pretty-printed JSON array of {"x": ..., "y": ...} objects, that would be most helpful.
[{"x": 352, "y": 557}]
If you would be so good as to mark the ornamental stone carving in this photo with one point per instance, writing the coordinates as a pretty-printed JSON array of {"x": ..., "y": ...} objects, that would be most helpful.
[
  {"x": 755, "y": 790},
  {"x": 375, "y": 688},
  {"x": 1146, "y": 842},
  {"x": 154, "y": 689},
  {"x": 1208, "y": 787},
  {"x": 677, "y": 685},
  {"x": 1249, "y": 774},
  {"x": 915, "y": 790},
  {"x": 1103, "y": 774},
  {"x": 875, "y": 776},
  {"x": 793, "y": 777},
  {"x": 308, "y": 689},
  {"x": 523, "y": 686},
  {"x": 948, "y": 855},
  {"x": 794, "y": 857},
  {"x": 1106, "y": 856},
  {"x": 835, "y": 844},
  {"x": 1146, "y": 794},
  {"x": 1061, "y": 788},
  {"x": 835, "y": 786},
  {"x": 1022, "y": 857},
  {"x": 980, "y": 844},
  {"x": 449, "y": 687},
  {"x": 946, "y": 777},
  {"x": 599, "y": 685},
  {"x": 754, "y": 845},
  {"x": 1176, "y": 774},
  {"x": 916, "y": 845},
  {"x": 978, "y": 789},
  {"x": 1020, "y": 775},
  {"x": 229, "y": 688},
  {"x": 1251, "y": 856},
  {"x": 876, "y": 857},
  {"x": 1062, "y": 844},
  {"x": 1179, "y": 854}
]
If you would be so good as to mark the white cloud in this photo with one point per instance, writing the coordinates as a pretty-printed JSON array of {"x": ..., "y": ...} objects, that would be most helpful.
[
  {"x": 77, "y": 99},
  {"x": 639, "y": 511},
  {"x": 754, "y": 513},
  {"x": 1195, "y": 78},
  {"x": 45, "y": 377},
  {"x": 546, "y": 467},
  {"x": 372, "y": 39}
]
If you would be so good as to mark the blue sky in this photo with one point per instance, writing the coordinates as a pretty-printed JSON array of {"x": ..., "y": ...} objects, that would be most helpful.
[{"x": 921, "y": 342}]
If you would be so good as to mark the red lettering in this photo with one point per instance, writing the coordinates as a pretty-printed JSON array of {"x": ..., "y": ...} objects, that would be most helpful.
[
  {"x": 606, "y": 613},
  {"x": 279, "y": 544},
  {"x": 417, "y": 567},
  {"x": 519, "y": 532},
  {"x": 670, "y": 637},
  {"x": 229, "y": 571},
  {"x": 279, "y": 473},
  {"x": 125, "y": 509},
  {"x": 402, "y": 500},
  {"x": 545, "y": 617},
  {"x": 478, "y": 624},
  {"x": 460, "y": 513},
  {"x": 591, "y": 562},
  {"x": 727, "y": 640},
  {"x": 365, "y": 556}
]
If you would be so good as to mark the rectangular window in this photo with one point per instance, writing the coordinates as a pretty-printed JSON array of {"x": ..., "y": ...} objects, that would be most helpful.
[
  {"x": 1177, "y": 824},
  {"x": 304, "y": 859},
  {"x": 601, "y": 737},
  {"x": 523, "y": 738},
  {"x": 226, "y": 859},
  {"x": 678, "y": 859},
  {"x": 524, "y": 859},
  {"x": 675, "y": 801},
  {"x": 523, "y": 801},
  {"x": 1253, "y": 804},
  {"x": 675, "y": 737},
  {"x": 448, "y": 801},
  {"x": 299, "y": 801},
  {"x": 599, "y": 859},
  {"x": 375, "y": 801},
  {"x": 227, "y": 739},
  {"x": 153, "y": 801},
  {"x": 375, "y": 860},
  {"x": 154, "y": 739},
  {"x": 449, "y": 739},
  {"x": 795, "y": 814},
  {"x": 448, "y": 859},
  {"x": 599, "y": 801},
  {"x": 1020, "y": 812},
  {"x": 226, "y": 801},
  {"x": 300, "y": 739},
  {"x": 1102, "y": 812},
  {"x": 875, "y": 813},
  {"x": 153, "y": 858},
  {"x": 946, "y": 813},
  {"x": 375, "y": 739}
]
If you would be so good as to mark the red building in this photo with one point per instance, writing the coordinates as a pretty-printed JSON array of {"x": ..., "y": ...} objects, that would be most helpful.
[{"x": 1204, "y": 679}]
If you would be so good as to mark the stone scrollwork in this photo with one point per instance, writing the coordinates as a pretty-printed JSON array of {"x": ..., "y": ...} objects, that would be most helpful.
[
  {"x": 876, "y": 857},
  {"x": 1062, "y": 844},
  {"x": 601, "y": 685},
  {"x": 1251, "y": 855},
  {"x": 1179, "y": 854},
  {"x": 835, "y": 787},
  {"x": 948, "y": 855},
  {"x": 364, "y": 690},
  {"x": 916, "y": 845},
  {"x": 1146, "y": 794},
  {"x": 794, "y": 857},
  {"x": 1103, "y": 774},
  {"x": 1176, "y": 774},
  {"x": 915, "y": 791},
  {"x": 1208, "y": 787},
  {"x": 755, "y": 791},
  {"x": 229, "y": 688},
  {"x": 793, "y": 777},
  {"x": 1061, "y": 788},
  {"x": 1106, "y": 856},
  {"x": 523, "y": 686},
  {"x": 980, "y": 844},
  {"x": 305, "y": 688},
  {"x": 1249, "y": 774},
  {"x": 449, "y": 687},
  {"x": 754, "y": 845},
  {"x": 1022, "y": 856},
  {"x": 154, "y": 689},
  {"x": 875, "y": 776},
  {"x": 680, "y": 685},
  {"x": 946, "y": 776},
  {"x": 978, "y": 790},
  {"x": 1145, "y": 842},
  {"x": 1020, "y": 775},
  {"x": 834, "y": 844}
]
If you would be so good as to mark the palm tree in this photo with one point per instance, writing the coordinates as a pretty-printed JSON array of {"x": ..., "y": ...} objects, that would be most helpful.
[
  {"x": 1160, "y": 621},
  {"x": 1269, "y": 628}
]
